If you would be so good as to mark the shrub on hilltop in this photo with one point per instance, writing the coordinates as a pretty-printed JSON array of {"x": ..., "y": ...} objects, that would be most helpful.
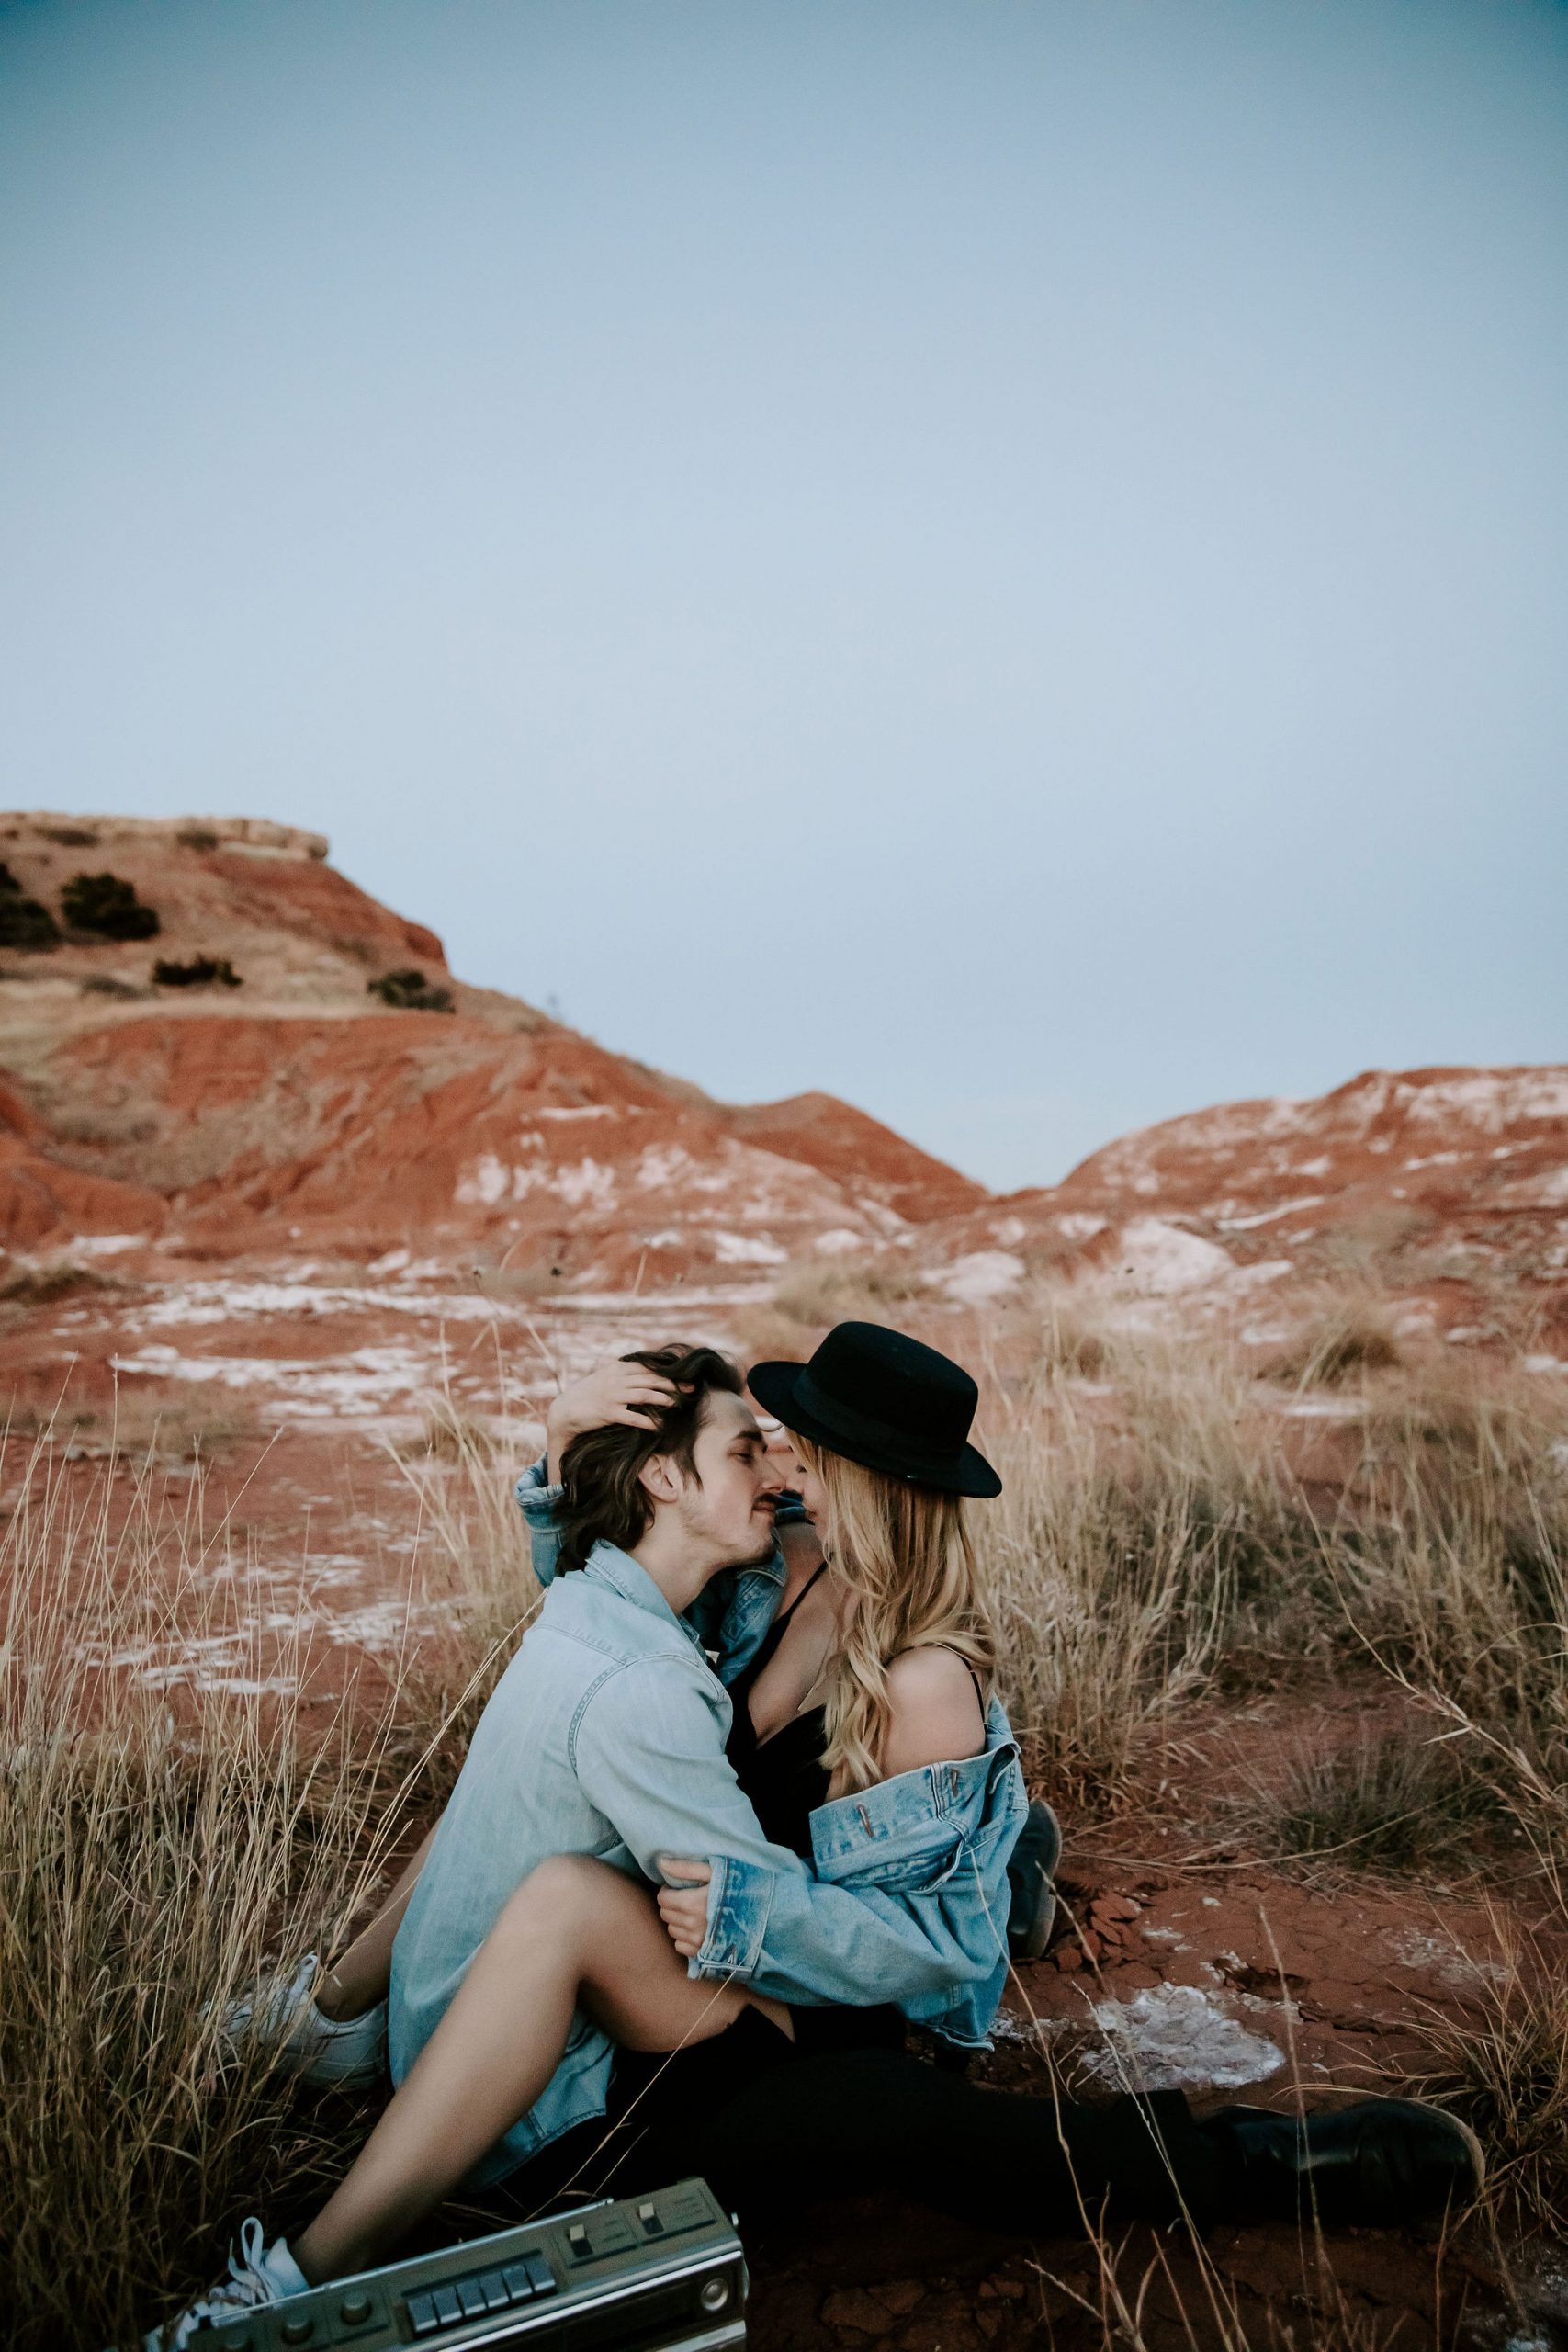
[
  {"x": 24, "y": 922},
  {"x": 408, "y": 991},
  {"x": 201, "y": 972},
  {"x": 104, "y": 904}
]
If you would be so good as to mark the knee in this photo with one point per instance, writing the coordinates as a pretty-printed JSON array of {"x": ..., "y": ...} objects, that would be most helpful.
[{"x": 556, "y": 1894}]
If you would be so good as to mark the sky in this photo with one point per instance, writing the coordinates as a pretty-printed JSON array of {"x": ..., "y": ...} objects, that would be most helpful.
[{"x": 1005, "y": 558}]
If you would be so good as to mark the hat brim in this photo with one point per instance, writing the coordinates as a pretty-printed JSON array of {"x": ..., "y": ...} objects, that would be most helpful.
[{"x": 964, "y": 1471}]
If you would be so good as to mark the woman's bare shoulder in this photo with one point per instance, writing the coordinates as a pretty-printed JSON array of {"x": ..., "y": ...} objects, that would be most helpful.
[{"x": 936, "y": 1714}]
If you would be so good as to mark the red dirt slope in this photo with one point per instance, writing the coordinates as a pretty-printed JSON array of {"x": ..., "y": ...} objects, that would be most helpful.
[{"x": 297, "y": 1113}]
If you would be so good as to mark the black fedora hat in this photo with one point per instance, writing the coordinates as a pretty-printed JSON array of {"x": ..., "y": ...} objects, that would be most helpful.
[{"x": 885, "y": 1401}]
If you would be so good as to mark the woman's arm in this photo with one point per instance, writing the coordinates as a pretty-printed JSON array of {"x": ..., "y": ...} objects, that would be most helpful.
[{"x": 360, "y": 1978}]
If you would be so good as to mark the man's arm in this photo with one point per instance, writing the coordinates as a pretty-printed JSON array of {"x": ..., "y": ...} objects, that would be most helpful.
[{"x": 648, "y": 1753}]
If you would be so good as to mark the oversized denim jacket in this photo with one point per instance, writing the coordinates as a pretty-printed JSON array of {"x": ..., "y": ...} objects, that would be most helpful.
[{"x": 925, "y": 1854}]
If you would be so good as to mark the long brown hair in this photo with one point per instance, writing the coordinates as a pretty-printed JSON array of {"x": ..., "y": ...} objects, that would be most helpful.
[
  {"x": 603, "y": 1497},
  {"x": 905, "y": 1556}
]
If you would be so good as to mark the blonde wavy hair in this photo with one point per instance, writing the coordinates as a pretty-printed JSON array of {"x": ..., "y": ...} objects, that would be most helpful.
[{"x": 904, "y": 1556}]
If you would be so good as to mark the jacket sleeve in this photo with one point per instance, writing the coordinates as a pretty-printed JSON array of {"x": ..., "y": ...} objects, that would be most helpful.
[
  {"x": 650, "y": 1753},
  {"x": 537, "y": 1500}
]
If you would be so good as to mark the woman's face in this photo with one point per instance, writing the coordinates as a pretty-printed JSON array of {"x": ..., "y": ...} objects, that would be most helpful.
[
  {"x": 810, "y": 1489},
  {"x": 796, "y": 1474}
]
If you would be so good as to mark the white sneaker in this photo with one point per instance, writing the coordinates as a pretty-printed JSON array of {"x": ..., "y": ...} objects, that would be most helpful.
[
  {"x": 281, "y": 2012},
  {"x": 263, "y": 2274}
]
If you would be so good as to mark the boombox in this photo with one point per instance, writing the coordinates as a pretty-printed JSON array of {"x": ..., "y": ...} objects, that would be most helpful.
[{"x": 658, "y": 2273}]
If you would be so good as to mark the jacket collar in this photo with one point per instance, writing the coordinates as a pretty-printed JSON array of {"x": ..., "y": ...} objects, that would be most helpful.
[{"x": 608, "y": 1566}]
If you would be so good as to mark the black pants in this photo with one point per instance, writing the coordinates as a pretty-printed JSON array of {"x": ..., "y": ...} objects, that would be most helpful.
[{"x": 770, "y": 2125}]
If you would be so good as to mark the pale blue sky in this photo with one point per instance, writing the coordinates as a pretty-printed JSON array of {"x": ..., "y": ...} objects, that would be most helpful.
[{"x": 1004, "y": 559}]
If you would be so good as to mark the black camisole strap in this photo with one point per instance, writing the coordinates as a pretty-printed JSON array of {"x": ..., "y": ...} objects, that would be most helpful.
[
  {"x": 969, "y": 1670},
  {"x": 779, "y": 1622}
]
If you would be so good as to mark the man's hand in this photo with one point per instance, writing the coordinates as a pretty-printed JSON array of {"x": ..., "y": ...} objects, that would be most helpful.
[
  {"x": 616, "y": 1392},
  {"x": 685, "y": 1909}
]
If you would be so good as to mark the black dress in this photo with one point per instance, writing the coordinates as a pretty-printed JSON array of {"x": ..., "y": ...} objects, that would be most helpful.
[{"x": 786, "y": 1781}]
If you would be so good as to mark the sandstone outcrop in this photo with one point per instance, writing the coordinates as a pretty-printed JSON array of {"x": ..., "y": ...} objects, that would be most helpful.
[
  {"x": 1429, "y": 1179},
  {"x": 295, "y": 1113}
]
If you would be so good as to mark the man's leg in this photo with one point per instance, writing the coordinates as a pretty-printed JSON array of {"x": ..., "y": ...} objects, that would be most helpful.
[
  {"x": 850, "y": 2122},
  {"x": 843, "y": 2122},
  {"x": 574, "y": 1931}
]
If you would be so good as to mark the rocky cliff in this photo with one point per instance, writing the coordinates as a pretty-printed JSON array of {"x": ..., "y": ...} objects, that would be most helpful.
[{"x": 287, "y": 1067}]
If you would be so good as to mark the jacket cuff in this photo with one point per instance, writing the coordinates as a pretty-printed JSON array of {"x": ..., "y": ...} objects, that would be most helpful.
[
  {"x": 741, "y": 1895},
  {"x": 536, "y": 1499}
]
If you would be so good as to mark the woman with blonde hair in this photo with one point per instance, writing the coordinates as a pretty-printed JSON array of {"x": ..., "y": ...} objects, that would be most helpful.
[{"x": 865, "y": 1731}]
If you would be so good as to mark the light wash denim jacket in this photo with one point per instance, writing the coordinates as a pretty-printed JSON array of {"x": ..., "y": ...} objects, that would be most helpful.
[{"x": 605, "y": 1737}]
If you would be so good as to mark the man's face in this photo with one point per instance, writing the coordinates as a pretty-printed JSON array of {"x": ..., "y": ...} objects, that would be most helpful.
[{"x": 732, "y": 1511}]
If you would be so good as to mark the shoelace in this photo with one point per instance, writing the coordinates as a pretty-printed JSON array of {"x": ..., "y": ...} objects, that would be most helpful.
[{"x": 246, "y": 2285}]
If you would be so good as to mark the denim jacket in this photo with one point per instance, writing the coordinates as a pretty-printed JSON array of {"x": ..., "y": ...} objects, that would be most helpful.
[{"x": 924, "y": 1855}]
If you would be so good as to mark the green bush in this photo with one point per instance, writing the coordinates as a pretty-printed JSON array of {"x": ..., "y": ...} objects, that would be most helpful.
[
  {"x": 102, "y": 903},
  {"x": 24, "y": 922},
  {"x": 408, "y": 991},
  {"x": 201, "y": 972}
]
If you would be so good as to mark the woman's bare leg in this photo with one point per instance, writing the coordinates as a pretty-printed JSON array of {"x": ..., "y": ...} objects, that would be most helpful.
[{"x": 575, "y": 1930}]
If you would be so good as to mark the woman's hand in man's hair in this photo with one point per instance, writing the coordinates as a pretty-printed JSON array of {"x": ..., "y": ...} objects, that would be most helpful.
[
  {"x": 613, "y": 1392},
  {"x": 685, "y": 1909}
]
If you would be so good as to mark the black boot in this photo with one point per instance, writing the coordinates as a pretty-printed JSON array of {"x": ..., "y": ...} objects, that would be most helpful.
[
  {"x": 1378, "y": 2164},
  {"x": 1032, "y": 1896}
]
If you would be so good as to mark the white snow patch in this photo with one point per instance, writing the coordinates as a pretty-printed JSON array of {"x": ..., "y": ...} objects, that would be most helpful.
[
  {"x": 580, "y": 1111},
  {"x": 1077, "y": 1224},
  {"x": 983, "y": 1275},
  {"x": 662, "y": 1163},
  {"x": 1268, "y": 1270},
  {"x": 390, "y": 1262},
  {"x": 485, "y": 1183},
  {"x": 1177, "y": 2037},
  {"x": 1270, "y": 1216},
  {"x": 1447, "y": 1960},
  {"x": 1009, "y": 1233},
  {"x": 747, "y": 1250},
  {"x": 227, "y": 1301},
  {"x": 1163, "y": 1258},
  {"x": 106, "y": 1245},
  {"x": 838, "y": 1242},
  {"x": 586, "y": 1185},
  {"x": 356, "y": 1385}
]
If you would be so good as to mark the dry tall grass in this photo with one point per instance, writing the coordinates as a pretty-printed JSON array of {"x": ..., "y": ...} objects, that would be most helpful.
[
  {"x": 176, "y": 1809},
  {"x": 173, "y": 1809},
  {"x": 1138, "y": 1538},
  {"x": 823, "y": 1291}
]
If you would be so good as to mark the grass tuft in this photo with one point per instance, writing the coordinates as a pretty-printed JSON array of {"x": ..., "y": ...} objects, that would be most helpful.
[{"x": 823, "y": 1291}]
